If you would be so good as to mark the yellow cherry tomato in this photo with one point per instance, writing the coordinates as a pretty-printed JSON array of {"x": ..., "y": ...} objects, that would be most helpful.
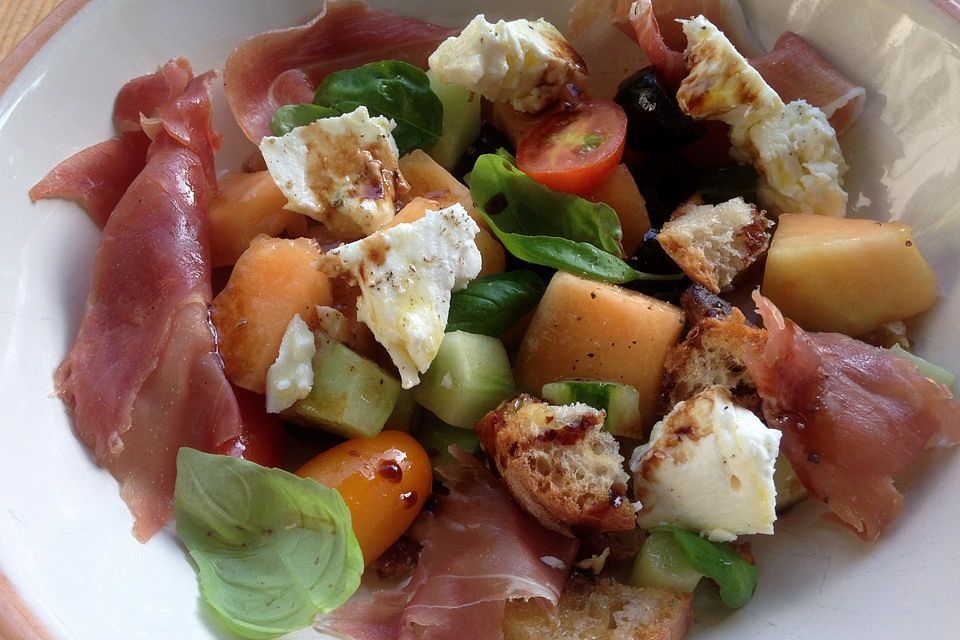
[{"x": 384, "y": 480}]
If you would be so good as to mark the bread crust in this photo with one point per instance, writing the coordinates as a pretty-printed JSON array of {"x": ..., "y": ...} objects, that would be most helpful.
[{"x": 560, "y": 465}]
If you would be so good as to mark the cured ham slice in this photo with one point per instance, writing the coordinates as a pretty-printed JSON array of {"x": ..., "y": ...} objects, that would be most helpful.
[
  {"x": 142, "y": 378},
  {"x": 794, "y": 69},
  {"x": 479, "y": 549},
  {"x": 97, "y": 177},
  {"x": 285, "y": 66},
  {"x": 853, "y": 416}
]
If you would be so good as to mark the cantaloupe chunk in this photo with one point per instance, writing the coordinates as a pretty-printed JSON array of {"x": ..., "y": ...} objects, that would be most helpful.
[
  {"x": 273, "y": 280},
  {"x": 620, "y": 191},
  {"x": 846, "y": 275},
  {"x": 430, "y": 181},
  {"x": 596, "y": 331},
  {"x": 248, "y": 204}
]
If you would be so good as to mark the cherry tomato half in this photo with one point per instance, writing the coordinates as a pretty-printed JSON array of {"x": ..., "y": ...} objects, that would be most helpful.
[
  {"x": 263, "y": 438},
  {"x": 385, "y": 480},
  {"x": 574, "y": 150}
]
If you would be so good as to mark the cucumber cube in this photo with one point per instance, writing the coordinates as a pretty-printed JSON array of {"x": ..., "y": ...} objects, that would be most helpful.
[
  {"x": 406, "y": 415},
  {"x": 620, "y": 401},
  {"x": 351, "y": 396},
  {"x": 661, "y": 563},
  {"x": 470, "y": 376},
  {"x": 461, "y": 122}
]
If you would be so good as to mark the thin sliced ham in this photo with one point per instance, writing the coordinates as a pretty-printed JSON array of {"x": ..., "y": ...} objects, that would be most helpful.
[
  {"x": 853, "y": 416},
  {"x": 285, "y": 66},
  {"x": 479, "y": 549},
  {"x": 142, "y": 378},
  {"x": 794, "y": 68},
  {"x": 97, "y": 177}
]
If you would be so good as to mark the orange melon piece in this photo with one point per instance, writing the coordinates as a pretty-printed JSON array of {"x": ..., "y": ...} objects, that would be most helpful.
[
  {"x": 426, "y": 174},
  {"x": 248, "y": 204},
  {"x": 620, "y": 191},
  {"x": 846, "y": 275},
  {"x": 596, "y": 331},
  {"x": 273, "y": 280}
]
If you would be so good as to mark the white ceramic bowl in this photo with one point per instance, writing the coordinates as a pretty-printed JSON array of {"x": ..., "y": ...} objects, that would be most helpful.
[{"x": 65, "y": 538}]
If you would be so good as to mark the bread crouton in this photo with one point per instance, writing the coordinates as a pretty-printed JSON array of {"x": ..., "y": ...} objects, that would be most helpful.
[
  {"x": 713, "y": 243},
  {"x": 712, "y": 354},
  {"x": 559, "y": 464},
  {"x": 602, "y": 610}
]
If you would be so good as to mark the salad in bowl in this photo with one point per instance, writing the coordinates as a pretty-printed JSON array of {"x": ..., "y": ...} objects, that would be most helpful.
[{"x": 479, "y": 339}]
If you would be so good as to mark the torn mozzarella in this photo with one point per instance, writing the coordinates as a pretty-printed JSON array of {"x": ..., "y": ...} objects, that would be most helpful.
[
  {"x": 406, "y": 274},
  {"x": 526, "y": 63},
  {"x": 792, "y": 146},
  {"x": 341, "y": 171},
  {"x": 708, "y": 467},
  {"x": 290, "y": 377}
]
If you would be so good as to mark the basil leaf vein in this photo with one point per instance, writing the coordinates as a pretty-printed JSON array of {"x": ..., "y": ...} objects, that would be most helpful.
[
  {"x": 492, "y": 304},
  {"x": 272, "y": 550}
]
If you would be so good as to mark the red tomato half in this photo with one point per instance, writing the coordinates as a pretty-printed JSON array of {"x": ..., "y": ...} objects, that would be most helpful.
[{"x": 574, "y": 150}]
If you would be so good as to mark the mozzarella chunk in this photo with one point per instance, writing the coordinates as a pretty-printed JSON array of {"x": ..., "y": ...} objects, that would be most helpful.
[
  {"x": 341, "y": 171},
  {"x": 406, "y": 274},
  {"x": 290, "y": 377},
  {"x": 521, "y": 62},
  {"x": 708, "y": 467},
  {"x": 793, "y": 146}
]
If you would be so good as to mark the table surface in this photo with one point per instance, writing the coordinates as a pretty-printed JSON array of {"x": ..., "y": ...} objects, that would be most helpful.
[{"x": 18, "y": 17}]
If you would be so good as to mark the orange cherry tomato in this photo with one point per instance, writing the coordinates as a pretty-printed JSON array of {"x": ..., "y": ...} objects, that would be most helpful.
[
  {"x": 263, "y": 438},
  {"x": 573, "y": 150},
  {"x": 385, "y": 480}
]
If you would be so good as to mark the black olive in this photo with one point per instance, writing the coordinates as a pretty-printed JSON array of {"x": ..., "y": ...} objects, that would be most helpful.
[
  {"x": 654, "y": 120},
  {"x": 665, "y": 181},
  {"x": 719, "y": 184},
  {"x": 488, "y": 141},
  {"x": 651, "y": 258}
]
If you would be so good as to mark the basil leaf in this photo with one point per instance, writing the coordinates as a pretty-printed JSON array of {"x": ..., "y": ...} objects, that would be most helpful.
[
  {"x": 578, "y": 258},
  {"x": 492, "y": 304},
  {"x": 392, "y": 89},
  {"x": 272, "y": 550},
  {"x": 289, "y": 117},
  {"x": 521, "y": 205},
  {"x": 736, "y": 577}
]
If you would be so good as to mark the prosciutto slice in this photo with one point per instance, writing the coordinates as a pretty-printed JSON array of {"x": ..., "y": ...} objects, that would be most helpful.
[
  {"x": 98, "y": 176},
  {"x": 142, "y": 378},
  {"x": 794, "y": 69},
  {"x": 479, "y": 549},
  {"x": 285, "y": 66},
  {"x": 853, "y": 416}
]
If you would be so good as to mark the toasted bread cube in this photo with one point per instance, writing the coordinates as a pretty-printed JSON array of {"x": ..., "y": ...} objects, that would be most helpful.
[
  {"x": 602, "y": 610},
  {"x": 560, "y": 465},
  {"x": 594, "y": 331},
  {"x": 713, "y": 243},
  {"x": 846, "y": 275}
]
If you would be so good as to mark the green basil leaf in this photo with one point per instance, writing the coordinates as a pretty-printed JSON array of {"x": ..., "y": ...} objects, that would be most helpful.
[
  {"x": 392, "y": 89},
  {"x": 492, "y": 304},
  {"x": 272, "y": 550},
  {"x": 578, "y": 258},
  {"x": 736, "y": 577},
  {"x": 521, "y": 205},
  {"x": 289, "y": 117}
]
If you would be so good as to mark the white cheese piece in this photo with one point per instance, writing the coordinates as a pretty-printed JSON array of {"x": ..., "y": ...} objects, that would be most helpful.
[
  {"x": 290, "y": 377},
  {"x": 522, "y": 62},
  {"x": 406, "y": 274},
  {"x": 793, "y": 147},
  {"x": 341, "y": 171},
  {"x": 708, "y": 467}
]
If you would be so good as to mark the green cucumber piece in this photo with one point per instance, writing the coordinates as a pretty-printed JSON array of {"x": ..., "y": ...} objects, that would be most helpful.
[
  {"x": 620, "y": 401},
  {"x": 925, "y": 367},
  {"x": 470, "y": 376},
  {"x": 461, "y": 121},
  {"x": 661, "y": 563},
  {"x": 351, "y": 396},
  {"x": 790, "y": 490},
  {"x": 436, "y": 436}
]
